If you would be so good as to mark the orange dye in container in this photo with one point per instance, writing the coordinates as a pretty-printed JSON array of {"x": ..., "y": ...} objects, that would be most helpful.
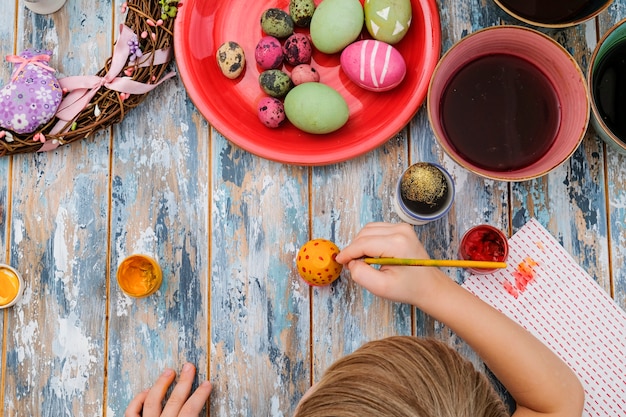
[
  {"x": 10, "y": 286},
  {"x": 139, "y": 275}
]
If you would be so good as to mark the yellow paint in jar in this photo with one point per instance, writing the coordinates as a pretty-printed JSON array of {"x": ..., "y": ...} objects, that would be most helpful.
[
  {"x": 10, "y": 286},
  {"x": 139, "y": 275}
]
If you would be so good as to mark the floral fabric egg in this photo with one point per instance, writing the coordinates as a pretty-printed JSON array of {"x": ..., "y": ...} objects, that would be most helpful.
[{"x": 32, "y": 96}]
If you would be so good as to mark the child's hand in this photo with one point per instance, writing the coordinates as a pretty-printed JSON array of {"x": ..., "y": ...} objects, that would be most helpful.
[
  {"x": 407, "y": 284},
  {"x": 150, "y": 402}
]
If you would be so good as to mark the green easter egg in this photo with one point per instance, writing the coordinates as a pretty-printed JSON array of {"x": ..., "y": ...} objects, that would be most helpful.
[
  {"x": 276, "y": 22},
  {"x": 388, "y": 20},
  {"x": 336, "y": 24},
  {"x": 275, "y": 83},
  {"x": 301, "y": 11},
  {"x": 316, "y": 108}
]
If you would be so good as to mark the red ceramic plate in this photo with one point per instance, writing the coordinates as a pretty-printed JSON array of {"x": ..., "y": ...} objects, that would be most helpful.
[{"x": 230, "y": 105}]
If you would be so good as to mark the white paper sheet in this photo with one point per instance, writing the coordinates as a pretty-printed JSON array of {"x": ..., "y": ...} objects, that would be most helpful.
[{"x": 565, "y": 309}]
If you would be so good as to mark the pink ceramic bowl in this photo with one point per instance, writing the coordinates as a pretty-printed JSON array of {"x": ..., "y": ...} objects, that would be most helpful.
[{"x": 571, "y": 107}]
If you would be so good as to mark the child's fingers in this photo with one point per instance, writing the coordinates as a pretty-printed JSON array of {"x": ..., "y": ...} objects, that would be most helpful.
[
  {"x": 181, "y": 391},
  {"x": 370, "y": 241},
  {"x": 374, "y": 280},
  {"x": 136, "y": 405},
  {"x": 383, "y": 240},
  {"x": 198, "y": 399},
  {"x": 153, "y": 403}
]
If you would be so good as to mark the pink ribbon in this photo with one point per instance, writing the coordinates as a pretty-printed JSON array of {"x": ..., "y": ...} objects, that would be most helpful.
[
  {"x": 84, "y": 87},
  {"x": 35, "y": 60}
]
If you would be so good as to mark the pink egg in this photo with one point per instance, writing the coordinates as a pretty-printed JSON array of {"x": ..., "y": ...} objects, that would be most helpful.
[
  {"x": 269, "y": 53},
  {"x": 373, "y": 65},
  {"x": 298, "y": 49},
  {"x": 271, "y": 112},
  {"x": 304, "y": 73}
]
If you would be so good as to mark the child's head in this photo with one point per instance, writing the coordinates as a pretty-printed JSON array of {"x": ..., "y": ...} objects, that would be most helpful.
[{"x": 402, "y": 376}]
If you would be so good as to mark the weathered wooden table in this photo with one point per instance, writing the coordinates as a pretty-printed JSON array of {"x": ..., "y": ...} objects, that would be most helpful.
[{"x": 225, "y": 226}]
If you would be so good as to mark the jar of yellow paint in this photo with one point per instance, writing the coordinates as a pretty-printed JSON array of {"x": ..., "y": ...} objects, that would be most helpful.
[
  {"x": 139, "y": 275},
  {"x": 11, "y": 286}
]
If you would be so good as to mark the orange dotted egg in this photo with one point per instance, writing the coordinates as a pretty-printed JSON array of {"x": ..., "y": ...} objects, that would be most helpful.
[{"x": 316, "y": 262}]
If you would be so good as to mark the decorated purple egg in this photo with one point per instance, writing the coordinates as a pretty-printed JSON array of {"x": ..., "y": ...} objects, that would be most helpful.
[
  {"x": 373, "y": 65},
  {"x": 269, "y": 53},
  {"x": 32, "y": 96},
  {"x": 298, "y": 49}
]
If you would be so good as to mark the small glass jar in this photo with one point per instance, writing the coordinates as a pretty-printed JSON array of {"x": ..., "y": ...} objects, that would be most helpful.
[
  {"x": 11, "y": 286},
  {"x": 139, "y": 276},
  {"x": 484, "y": 243},
  {"x": 424, "y": 192}
]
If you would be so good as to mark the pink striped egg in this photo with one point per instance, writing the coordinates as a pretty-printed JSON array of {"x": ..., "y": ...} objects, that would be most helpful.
[{"x": 373, "y": 65}]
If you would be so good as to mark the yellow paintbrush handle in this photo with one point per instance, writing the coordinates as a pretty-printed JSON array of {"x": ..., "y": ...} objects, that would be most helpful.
[{"x": 436, "y": 262}]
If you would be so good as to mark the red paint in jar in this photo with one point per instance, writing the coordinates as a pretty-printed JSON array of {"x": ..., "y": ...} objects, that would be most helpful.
[{"x": 484, "y": 243}]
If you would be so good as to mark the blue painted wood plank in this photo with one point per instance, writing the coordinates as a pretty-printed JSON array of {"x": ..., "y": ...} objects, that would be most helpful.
[
  {"x": 260, "y": 322},
  {"x": 7, "y": 33},
  {"x": 345, "y": 197},
  {"x": 159, "y": 207},
  {"x": 616, "y": 185},
  {"x": 477, "y": 200},
  {"x": 59, "y": 203},
  {"x": 577, "y": 187}
]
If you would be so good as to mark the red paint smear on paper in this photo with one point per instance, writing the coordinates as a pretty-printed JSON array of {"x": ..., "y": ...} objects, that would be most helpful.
[
  {"x": 524, "y": 274},
  {"x": 510, "y": 289}
]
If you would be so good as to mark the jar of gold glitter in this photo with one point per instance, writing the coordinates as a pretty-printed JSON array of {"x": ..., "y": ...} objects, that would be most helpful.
[
  {"x": 139, "y": 275},
  {"x": 424, "y": 193}
]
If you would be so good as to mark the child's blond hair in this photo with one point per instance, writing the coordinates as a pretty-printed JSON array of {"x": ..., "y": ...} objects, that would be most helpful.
[{"x": 402, "y": 376}]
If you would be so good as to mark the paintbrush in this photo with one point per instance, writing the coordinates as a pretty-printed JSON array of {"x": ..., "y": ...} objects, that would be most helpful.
[{"x": 436, "y": 262}]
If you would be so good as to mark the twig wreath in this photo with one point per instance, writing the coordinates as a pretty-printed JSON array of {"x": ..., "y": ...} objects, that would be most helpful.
[{"x": 75, "y": 107}]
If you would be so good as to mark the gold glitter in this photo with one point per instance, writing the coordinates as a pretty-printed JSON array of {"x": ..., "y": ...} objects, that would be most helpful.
[{"x": 423, "y": 182}]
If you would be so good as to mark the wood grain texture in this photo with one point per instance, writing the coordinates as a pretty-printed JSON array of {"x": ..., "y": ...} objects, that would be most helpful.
[
  {"x": 159, "y": 206},
  {"x": 345, "y": 197},
  {"x": 226, "y": 225},
  {"x": 7, "y": 33},
  {"x": 577, "y": 186},
  {"x": 477, "y": 200},
  {"x": 260, "y": 322},
  {"x": 616, "y": 183},
  {"x": 57, "y": 225}
]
